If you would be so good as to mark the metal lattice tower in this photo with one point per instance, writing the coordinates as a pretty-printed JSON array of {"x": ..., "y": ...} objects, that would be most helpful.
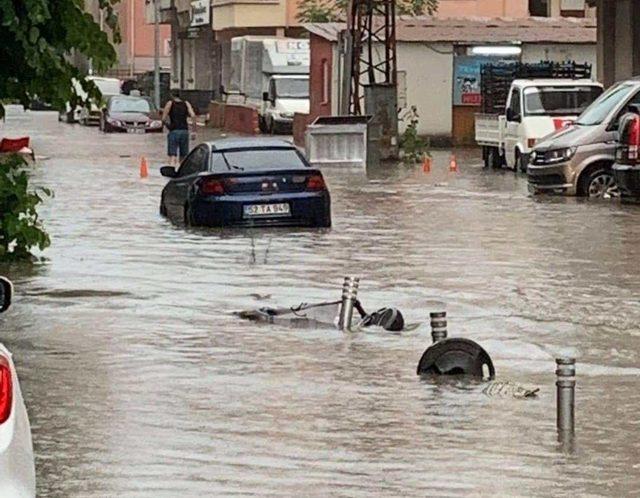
[{"x": 372, "y": 24}]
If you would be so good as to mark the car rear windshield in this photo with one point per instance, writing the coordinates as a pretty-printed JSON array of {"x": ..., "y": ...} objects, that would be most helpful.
[
  {"x": 257, "y": 159},
  {"x": 129, "y": 105},
  {"x": 559, "y": 101},
  {"x": 602, "y": 107}
]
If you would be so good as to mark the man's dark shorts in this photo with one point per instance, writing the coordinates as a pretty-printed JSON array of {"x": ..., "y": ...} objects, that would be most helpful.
[{"x": 178, "y": 140}]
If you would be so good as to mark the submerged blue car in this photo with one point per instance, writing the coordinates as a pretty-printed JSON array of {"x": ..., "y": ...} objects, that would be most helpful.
[{"x": 246, "y": 182}]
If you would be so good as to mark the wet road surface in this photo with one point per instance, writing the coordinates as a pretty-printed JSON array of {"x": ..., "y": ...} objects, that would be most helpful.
[{"x": 140, "y": 382}]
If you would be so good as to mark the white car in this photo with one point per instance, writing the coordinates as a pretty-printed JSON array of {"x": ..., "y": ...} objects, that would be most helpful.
[{"x": 17, "y": 467}]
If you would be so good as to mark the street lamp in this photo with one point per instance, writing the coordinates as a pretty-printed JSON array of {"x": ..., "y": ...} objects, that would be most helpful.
[{"x": 156, "y": 54}]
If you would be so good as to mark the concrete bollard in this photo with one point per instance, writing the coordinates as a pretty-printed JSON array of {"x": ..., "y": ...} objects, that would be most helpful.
[
  {"x": 349, "y": 297},
  {"x": 438, "y": 325},
  {"x": 566, "y": 397}
]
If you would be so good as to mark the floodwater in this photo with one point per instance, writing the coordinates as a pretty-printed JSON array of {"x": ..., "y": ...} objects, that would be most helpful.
[{"x": 140, "y": 381}]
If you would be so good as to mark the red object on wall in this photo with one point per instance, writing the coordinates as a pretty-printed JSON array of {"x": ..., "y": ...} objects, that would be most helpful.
[
  {"x": 320, "y": 77},
  {"x": 13, "y": 144}
]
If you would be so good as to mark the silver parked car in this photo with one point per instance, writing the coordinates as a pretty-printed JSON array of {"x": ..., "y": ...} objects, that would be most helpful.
[{"x": 577, "y": 160}]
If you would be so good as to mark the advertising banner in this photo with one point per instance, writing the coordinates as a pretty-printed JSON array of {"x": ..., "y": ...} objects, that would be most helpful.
[{"x": 466, "y": 79}]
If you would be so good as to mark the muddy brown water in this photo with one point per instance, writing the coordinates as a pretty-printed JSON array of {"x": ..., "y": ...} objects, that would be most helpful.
[{"x": 139, "y": 381}]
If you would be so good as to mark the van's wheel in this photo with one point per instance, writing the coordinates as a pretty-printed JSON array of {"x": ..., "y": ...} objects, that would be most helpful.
[
  {"x": 599, "y": 184},
  {"x": 517, "y": 166}
]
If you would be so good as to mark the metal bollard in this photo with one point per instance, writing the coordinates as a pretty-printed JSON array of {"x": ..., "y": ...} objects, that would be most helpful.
[
  {"x": 438, "y": 325},
  {"x": 566, "y": 396},
  {"x": 349, "y": 297}
]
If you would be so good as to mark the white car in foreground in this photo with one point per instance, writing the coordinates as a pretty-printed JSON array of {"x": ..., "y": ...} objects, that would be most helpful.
[{"x": 17, "y": 468}]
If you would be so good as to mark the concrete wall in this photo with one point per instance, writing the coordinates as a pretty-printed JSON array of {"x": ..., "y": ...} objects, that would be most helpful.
[
  {"x": 231, "y": 14},
  {"x": 487, "y": 8},
  {"x": 138, "y": 41},
  {"x": 429, "y": 79},
  {"x": 566, "y": 52},
  {"x": 321, "y": 68},
  {"x": 618, "y": 39},
  {"x": 427, "y": 71}
]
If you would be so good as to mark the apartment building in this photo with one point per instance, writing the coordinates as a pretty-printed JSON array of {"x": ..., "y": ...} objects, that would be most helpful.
[{"x": 201, "y": 30}]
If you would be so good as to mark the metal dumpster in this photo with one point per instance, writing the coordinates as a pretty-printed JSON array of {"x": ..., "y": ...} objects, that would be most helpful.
[{"x": 338, "y": 140}]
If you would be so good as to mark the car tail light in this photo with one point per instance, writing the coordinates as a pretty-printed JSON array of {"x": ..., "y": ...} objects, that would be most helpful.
[
  {"x": 212, "y": 186},
  {"x": 316, "y": 183},
  {"x": 6, "y": 389},
  {"x": 531, "y": 142},
  {"x": 634, "y": 137}
]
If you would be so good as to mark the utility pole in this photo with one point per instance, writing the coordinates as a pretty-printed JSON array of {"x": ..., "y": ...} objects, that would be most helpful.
[{"x": 156, "y": 54}]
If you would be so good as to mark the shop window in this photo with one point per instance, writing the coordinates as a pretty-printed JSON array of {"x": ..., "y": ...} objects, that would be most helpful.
[{"x": 539, "y": 8}]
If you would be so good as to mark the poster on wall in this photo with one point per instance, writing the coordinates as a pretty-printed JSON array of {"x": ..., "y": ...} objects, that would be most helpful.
[{"x": 466, "y": 79}]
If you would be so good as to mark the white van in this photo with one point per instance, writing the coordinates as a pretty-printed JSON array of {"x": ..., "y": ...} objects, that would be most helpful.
[{"x": 87, "y": 116}]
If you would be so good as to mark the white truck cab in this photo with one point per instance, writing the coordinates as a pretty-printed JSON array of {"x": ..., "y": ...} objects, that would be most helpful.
[
  {"x": 270, "y": 74},
  {"x": 535, "y": 109},
  {"x": 286, "y": 95}
]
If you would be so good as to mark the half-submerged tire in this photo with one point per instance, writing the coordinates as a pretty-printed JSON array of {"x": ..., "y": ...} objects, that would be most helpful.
[{"x": 456, "y": 356}]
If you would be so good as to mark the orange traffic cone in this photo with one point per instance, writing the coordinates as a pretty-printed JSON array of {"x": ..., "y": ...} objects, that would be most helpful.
[
  {"x": 144, "y": 167},
  {"x": 453, "y": 164},
  {"x": 426, "y": 164}
]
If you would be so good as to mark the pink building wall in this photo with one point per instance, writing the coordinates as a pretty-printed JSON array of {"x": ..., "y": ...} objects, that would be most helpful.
[
  {"x": 140, "y": 34},
  {"x": 483, "y": 8}
]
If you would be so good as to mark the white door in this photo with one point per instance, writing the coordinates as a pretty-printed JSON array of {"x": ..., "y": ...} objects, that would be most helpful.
[{"x": 513, "y": 126}]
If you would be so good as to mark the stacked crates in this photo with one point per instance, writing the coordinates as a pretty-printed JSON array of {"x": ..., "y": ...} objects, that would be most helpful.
[{"x": 496, "y": 79}]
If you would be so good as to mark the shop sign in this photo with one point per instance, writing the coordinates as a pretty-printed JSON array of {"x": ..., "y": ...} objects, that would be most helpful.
[
  {"x": 466, "y": 79},
  {"x": 200, "y": 12}
]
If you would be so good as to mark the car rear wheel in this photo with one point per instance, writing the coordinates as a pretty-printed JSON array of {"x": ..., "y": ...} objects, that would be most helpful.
[{"x": 600, "y": 184}]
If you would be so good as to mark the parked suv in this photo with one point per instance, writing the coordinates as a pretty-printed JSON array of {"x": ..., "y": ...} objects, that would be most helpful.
[{"x": 578, "y": 159}]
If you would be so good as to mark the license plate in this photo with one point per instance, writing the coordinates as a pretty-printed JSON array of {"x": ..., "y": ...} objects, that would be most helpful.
[
  {"x": 267, "y": 210},
  {"x": 135, "y": 130}
]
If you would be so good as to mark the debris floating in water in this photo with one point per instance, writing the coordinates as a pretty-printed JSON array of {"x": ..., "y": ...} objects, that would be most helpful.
[{"x": 509, "y": 389}]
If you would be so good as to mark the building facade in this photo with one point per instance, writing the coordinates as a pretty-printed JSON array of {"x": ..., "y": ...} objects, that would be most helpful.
[
  {"x": 439, "y": 63},
  {"x": 515, "y": 8},
  {"x": 618, "y": 39}
]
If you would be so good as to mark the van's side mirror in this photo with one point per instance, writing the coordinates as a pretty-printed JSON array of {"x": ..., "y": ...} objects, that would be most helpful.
[
  {"x": 168, "y": 171},
  {"x": 265, "y": 96},
  {"x": 6, "y": 293}
]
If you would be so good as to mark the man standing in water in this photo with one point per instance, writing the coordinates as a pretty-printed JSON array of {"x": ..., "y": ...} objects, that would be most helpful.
[{"x": 175, "y": 116}]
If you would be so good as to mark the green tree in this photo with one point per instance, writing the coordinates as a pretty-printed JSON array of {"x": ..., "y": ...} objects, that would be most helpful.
[
  {"x": 336, "y": 10},
  {"x": 20, "y": 227},
  {"x": 37, "y": 40}
]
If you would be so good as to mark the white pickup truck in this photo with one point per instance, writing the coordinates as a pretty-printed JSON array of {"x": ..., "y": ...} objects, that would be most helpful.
[{"x": 535, "y": 109}]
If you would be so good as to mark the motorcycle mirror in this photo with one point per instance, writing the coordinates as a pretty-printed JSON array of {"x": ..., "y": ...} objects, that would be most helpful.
[{"x": 6, "y": 292}]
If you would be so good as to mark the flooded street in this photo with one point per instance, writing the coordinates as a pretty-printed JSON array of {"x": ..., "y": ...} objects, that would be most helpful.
[{"x": 139, "y": 380}]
